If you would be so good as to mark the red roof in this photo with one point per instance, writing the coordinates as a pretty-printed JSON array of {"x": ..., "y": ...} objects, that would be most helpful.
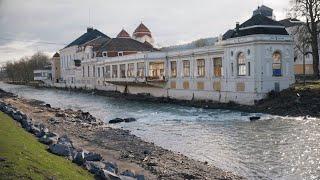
[
  {"x": 142, "y": 28},
  {"x": 141, "y": 31},
  {"x": 56, "y": 55},
  {"x": 123, "y": 34}
]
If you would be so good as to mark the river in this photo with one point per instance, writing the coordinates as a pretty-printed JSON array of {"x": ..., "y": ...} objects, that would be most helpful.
[{"x": 271, "y": 148}]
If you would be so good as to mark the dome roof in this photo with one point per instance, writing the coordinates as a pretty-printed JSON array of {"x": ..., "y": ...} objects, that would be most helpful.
[
  {"x": 56, "y": 55},
  {"x": 141, "y": 31},
  {"x": 123, "y": 34}
]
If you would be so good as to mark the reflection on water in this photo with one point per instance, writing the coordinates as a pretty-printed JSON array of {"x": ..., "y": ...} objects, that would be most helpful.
[{"x": 272, "y": 148}]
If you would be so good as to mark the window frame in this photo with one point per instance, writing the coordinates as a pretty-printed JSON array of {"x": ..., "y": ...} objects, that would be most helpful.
[
  {"x": 186, "y": 68},
  {"x": 130, "y": 70},
  {"x": 122, "y": 68},
  {"x": 201, "y": 67},
  {"x": 241, "y": 65},
  {"x": 141, "y": 69},
  {"x": 278, "y": 64},
  {"x": 216, "y": 66},
  {"x": 114, "y": 70},
  {"x": 173, "y": 69}
]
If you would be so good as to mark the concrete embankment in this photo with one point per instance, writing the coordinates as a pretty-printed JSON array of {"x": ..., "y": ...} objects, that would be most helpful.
[{"x": 104, "y": 151}]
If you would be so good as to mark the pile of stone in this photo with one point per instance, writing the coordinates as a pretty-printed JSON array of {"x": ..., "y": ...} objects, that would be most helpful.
[
  {"x": 120, "y": 120},
  {"x": 63, "y": 146}
]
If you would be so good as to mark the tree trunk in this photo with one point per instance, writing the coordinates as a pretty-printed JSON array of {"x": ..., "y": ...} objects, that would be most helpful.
[{"x": 315, "y": 56}]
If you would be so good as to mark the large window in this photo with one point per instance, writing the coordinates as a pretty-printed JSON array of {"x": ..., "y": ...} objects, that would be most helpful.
[
  {"x": 108, "y": 72},
  {"x": 122, "y": 71},
  {"x": 217, "y": 66},
  {"x": 276, "y": 66},
  {"x": 114, "y": 71},
  {"x": 201, "y": 67},
  {"x": 140, "y": 69},
  {"x": 156, "y": 69},
  {"x": 130, "y": 72},
  {"x": 173, "y": 68},
  {"x": 242, "y": 68},
  {"x": 98, "y": 71},
  {"x": 186, "y": 68}
]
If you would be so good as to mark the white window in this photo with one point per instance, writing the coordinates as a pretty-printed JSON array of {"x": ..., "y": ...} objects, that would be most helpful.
[
  {"x": 241, "y": 61},
  {"x": 276, "y": 66},
  {"x": 140, "y": 69},
  {"x": 186, "y": 68},
  {"x": 122, "y": 71},
  {"x": 201, "y": 67},
  {"x": 130, "y": 72},
  {"x": 120, "y": 53},
  {"x": 173, "y": 68},
  {"x": 114, "y": 71}
]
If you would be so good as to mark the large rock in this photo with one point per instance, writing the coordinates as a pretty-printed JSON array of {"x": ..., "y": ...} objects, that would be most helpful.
[
  {"x": 2, "y": 105},
  {"x": 116, "y": 120},
  {"x": 27, "y": 124},
  {"x": 94, "y": 167},
  {"x": 48, "y": 140},
  {"x": 107, "y": 175},
  {"x": 91, "y": 156},
  {"x": 60, "y": 149},
  {"x": 65, "y": 141},
  {"x": 140, "y": 177},
  {"x": 127, "y": 120},
  {"x": 127, "y": 178},
  {"x": 36, "y": 131},
  {"x": 128, "y": 173},
  {"x": 78, "y": 158},
  {"x": 111, "y": 167},
  {"x": 17, "y": 117}
]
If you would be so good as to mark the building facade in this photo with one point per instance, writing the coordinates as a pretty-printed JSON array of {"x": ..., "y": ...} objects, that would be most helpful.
[
  {"x": 55, "y": 64},
  {"x": 249, "y": 61}
]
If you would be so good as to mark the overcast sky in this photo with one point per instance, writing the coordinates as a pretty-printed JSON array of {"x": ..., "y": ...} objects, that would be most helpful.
[{"x": 23, "y": 23}]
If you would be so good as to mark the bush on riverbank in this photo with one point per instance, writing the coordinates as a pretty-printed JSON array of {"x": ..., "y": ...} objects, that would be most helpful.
[
  {"x": 299, "y": 100},
  {"x": 23, "y": 157}
]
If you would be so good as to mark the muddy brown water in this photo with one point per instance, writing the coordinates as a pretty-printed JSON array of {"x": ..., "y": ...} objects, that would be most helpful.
[{"x": 271, "y": 148}]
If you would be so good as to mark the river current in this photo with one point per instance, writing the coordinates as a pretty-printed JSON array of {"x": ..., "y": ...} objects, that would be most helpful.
[{"x": 272, "y": 148}]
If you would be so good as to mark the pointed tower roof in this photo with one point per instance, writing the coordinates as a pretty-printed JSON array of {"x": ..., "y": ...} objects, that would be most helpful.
[
  {"x": 56, "y": 54},
  {"x": 141, "y": 31},
  {"x": 123, "y": 34}
]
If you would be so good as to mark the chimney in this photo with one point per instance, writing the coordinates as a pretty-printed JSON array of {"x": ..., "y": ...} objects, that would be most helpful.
[
  {"x": 237, "y": 27},
  {"x": 89, "y": 29}
]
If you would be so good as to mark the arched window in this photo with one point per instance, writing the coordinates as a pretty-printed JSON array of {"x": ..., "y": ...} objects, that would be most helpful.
[
  {"x": 276, "y": 65},
  {"x": 241, "y": 61}
]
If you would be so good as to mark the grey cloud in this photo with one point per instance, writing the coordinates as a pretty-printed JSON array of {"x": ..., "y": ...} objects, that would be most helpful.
[{"x": 171, "y": 21}]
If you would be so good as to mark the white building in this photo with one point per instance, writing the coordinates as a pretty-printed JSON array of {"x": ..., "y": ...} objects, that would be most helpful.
[
  {"x": 44, "y": 75},
  {"x": 248, "y": 62}
]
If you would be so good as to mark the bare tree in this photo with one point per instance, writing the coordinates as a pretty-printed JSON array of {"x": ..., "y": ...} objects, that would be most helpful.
[
  {"x": 302, "y": 42},
  {"x": 310, "y": 11},
  {"x": 22, "y": 70}
]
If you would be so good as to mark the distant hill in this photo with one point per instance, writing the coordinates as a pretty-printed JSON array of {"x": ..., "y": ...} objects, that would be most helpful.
[{"x": 194, "y": 44}]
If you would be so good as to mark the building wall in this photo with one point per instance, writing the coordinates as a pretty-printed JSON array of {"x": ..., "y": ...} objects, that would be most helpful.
[
  {"x": 56, "y": 69},
  {"x": 144, "y": 38},
  {"x": 230, "y": 86}
]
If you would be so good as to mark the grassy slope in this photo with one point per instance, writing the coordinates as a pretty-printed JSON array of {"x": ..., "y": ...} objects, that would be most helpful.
[{"x": 26, "y": 158}]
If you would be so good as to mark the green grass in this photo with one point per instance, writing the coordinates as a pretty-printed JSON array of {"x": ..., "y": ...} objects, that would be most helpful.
[{"x": 26, "y": 158}]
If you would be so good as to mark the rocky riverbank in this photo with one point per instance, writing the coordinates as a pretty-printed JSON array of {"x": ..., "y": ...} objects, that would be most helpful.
[{"x": 113, "y": 152}]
